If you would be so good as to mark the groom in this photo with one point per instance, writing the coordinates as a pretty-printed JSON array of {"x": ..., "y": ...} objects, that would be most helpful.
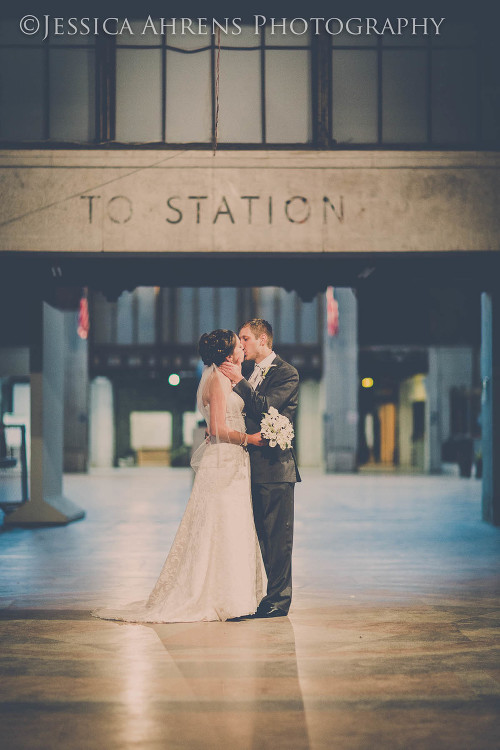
[{"x": 272, "y": 382}]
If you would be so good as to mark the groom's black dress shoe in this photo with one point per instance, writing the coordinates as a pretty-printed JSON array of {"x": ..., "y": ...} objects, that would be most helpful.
[
  {"x": 273, "y": 612},
  {"x": 267, "y": 612}
]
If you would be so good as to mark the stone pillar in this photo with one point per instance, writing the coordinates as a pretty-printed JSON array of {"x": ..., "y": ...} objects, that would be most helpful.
[
  {"x": 76, "y": 398},
  {"x": 47, "y": 505},
  {"x": 102, "y": 424},
  {"x": 433, "y": 422},
  {"x": 308, "y": 425},
  {"x": 341, "y": 387},
  {"x": 490, "y": 404}
]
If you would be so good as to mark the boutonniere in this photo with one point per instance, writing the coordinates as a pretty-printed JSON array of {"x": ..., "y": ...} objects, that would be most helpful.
[{"x": 264, "y": 372}]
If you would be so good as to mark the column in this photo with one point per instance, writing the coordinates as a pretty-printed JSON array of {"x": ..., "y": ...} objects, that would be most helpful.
[
  {"x": 47, "y": 504},
  {"x": 102, "y": 423},
  {"x": 433, "y": 421},
  {"x": 76, "y": 397},
  {"x": 308, "y": 424},
  {"x": 341, "y": 387},
  {"x": 490, "y": 404}
]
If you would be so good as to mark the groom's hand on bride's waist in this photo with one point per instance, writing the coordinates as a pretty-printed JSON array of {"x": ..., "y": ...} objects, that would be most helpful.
[{"x": 233, "y": 372}]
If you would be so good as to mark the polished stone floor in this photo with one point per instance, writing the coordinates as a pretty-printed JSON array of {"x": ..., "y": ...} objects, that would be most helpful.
[{"x": 391, "y": 642}]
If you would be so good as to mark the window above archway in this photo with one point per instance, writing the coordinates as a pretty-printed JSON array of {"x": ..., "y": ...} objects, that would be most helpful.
[{"x": 165, "y": 86}]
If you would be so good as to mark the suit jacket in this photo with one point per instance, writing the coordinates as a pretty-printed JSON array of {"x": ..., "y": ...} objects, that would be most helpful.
[{"x": 280, "y": 389}]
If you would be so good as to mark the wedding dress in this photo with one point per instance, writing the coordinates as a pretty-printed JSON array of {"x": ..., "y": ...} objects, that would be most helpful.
[{"x": 214, "y": 570}]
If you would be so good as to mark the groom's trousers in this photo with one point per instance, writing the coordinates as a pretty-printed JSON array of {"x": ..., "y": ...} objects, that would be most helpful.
[{"x": 273, "y": 514}]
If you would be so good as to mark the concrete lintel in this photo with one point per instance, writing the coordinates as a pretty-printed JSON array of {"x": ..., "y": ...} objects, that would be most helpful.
[{"x": 249, "y": 201}]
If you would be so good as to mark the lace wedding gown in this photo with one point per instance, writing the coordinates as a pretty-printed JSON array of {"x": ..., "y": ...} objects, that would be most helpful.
[{"x": 214, "y": 570}]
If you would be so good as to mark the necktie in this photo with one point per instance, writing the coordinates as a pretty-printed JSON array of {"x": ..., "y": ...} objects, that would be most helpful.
[{"x": 256, "y": 376}]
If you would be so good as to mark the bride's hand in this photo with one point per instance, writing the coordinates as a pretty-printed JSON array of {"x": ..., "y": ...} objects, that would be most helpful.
[
  {"x": 256, "y": 439},
  {"x": 231, "y": 371}
]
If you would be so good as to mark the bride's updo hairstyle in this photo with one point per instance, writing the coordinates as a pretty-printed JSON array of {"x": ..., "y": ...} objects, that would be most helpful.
[{"x": 215, "y": 346}]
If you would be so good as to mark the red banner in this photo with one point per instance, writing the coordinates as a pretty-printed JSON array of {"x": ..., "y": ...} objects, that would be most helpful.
[
  {"x": 332, "y": 313},
  {"x": 83, "y": 317}
]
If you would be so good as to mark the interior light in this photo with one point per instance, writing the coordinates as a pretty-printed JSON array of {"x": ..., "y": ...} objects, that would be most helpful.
[
  {"x": 174, "y": 379},
  {"x": 367, "y": 382}
]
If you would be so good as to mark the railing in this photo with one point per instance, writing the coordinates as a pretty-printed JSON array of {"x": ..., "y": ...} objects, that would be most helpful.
[{"x": 13, "y": 467}]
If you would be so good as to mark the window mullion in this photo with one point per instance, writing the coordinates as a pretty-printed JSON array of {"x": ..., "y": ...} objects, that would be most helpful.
[
  {"x": 214, "y": 73},
  {"x": 479, "y": 94},
  {"x": 379, "y": 91},
  {"x": 429, "y": 92},
  {"x": 263, "y": 84},
  {"x": 321, "y": 88},
  {"x": 164, "y": 89},
  {"x": 105, "y": 89},
  {"x": 46, "y": 98}
]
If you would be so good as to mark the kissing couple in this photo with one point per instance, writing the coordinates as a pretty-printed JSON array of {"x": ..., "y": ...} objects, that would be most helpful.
[{"x": 232, "y": 555}]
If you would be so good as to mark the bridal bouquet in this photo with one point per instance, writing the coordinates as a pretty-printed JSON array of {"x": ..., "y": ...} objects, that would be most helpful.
[{"x": 277, "y": 428}]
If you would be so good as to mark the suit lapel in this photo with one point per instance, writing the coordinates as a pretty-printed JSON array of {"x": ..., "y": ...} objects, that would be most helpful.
[{"x": 262, "y": 387}]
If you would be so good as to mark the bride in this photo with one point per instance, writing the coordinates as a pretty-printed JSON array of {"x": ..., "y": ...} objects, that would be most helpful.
[{"x": 214, "y": 570}]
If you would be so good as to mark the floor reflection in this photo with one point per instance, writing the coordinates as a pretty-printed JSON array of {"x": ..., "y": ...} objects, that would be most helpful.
[{"x": 239, "y": 682}]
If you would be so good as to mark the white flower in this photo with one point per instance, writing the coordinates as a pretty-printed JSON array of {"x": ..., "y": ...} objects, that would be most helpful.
[
  {"x": 264, "y": 372},
  {"x": 277, "y": 428}
]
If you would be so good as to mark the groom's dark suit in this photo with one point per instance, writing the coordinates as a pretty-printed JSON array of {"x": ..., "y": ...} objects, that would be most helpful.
[{"x": 274, "y": 473}]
